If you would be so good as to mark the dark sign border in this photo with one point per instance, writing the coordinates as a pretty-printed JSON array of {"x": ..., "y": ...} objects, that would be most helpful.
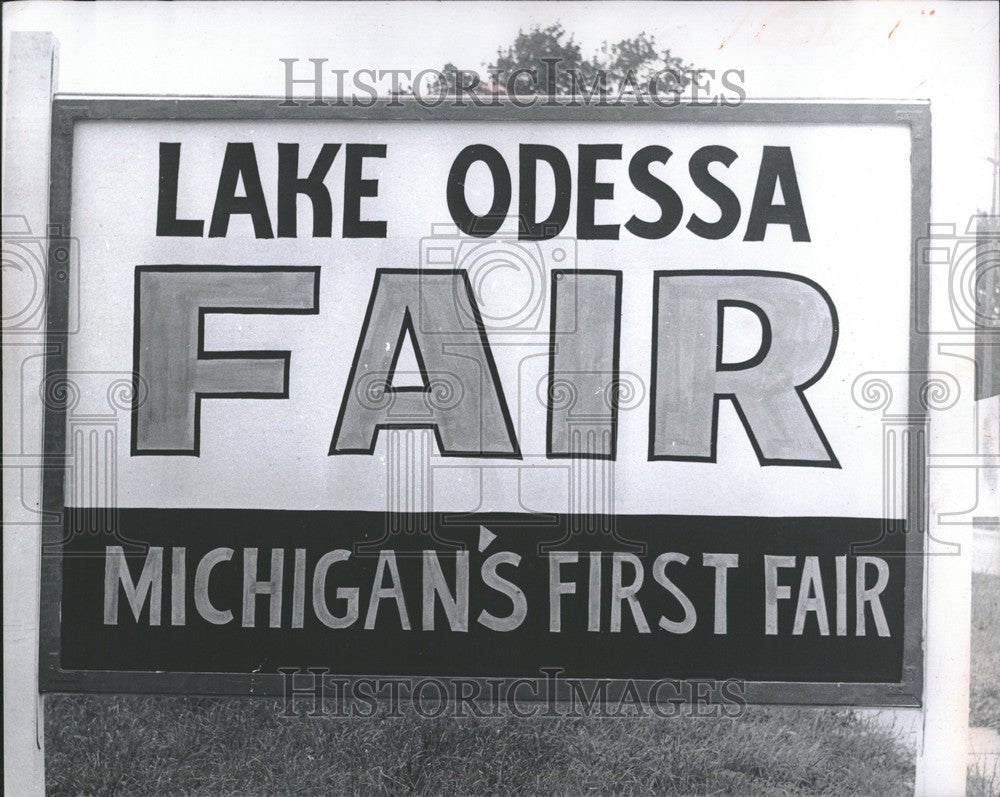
[{"x": 67, "y": 110}]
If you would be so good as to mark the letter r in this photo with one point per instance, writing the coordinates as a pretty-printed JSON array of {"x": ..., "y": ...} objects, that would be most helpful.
[{"x": 799, "y": 335}]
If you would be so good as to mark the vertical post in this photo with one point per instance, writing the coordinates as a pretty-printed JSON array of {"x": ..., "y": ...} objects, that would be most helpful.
[
  {"x": 943, "y": 758},
  {"x": 30, "y": 86},
  {"x": 943, "y": 761}
]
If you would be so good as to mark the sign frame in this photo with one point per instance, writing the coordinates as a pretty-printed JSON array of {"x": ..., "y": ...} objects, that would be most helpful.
[{"x": 68, "y": 109}]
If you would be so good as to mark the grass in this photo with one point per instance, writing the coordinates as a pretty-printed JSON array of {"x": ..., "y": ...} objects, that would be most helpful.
[
  {"x": 984, "y": 681},
  {"x": 984, "y": 781},
  {"x": 156, "y": 745},
  {"x": 984, "y": 685}
]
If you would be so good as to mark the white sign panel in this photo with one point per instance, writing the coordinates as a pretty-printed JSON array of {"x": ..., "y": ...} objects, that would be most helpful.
[{"x": 343, "y": 363}]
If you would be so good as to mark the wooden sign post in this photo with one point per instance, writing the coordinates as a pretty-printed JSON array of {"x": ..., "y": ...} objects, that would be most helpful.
[{"x": 27, "y": 122}]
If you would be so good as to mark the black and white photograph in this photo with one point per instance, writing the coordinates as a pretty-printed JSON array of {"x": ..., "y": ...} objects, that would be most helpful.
[{"x": 490, "y": 398}]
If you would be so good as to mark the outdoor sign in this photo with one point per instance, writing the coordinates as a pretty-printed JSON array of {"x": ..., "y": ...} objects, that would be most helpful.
[{"x": 484, "y": 394}]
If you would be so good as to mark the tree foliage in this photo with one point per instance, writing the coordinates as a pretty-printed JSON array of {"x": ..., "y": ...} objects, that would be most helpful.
[{"x": 548, "y": 60}]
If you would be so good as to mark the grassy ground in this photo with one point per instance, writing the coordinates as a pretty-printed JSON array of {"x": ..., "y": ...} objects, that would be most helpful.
[
  {"x": 984, "y": 686},
  {"x": 152, "y": 746},
  {"x": 129, "y": 745},
  {"x": 984, "y": 781}
]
